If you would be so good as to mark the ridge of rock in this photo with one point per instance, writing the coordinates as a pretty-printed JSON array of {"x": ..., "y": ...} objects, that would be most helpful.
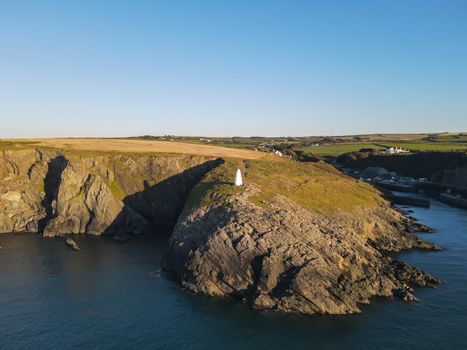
[
  {"x": 279, "y": 255},
  {"x": 58, "y": 193}
]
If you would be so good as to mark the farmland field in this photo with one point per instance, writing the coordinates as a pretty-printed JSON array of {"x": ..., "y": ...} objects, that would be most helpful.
[
  {"x": 132, "y": 146},
  {"x": 439, "y": 142},
  {"x": 336, "y": 149}
]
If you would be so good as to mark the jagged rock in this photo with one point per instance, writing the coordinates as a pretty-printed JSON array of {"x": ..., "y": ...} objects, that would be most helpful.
[
  {"x": 274, "y": 252},
  {"x": 72, "y": 244},
  {"x": 59, "y": 193},
  {"x": 283, "y": 257},
  {"x": 84, "y": 204}
]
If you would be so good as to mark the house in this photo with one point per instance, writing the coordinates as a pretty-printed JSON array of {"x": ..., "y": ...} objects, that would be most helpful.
[{"x": 393, "y": 150}]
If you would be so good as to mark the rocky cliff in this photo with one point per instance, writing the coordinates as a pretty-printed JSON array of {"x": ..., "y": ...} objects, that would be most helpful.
[
  {"x": 452, "y": 177},
  {"x": 446, "y": 167},
  {"x": 56, "y": 193},
  {"x": 296, "y": 238}
]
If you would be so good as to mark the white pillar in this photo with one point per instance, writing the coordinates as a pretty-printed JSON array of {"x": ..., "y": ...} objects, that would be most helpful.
[{"x": 238, "y": 178}]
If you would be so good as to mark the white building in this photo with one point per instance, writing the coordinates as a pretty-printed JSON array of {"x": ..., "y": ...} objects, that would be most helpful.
[{"x": 393, "y": 150}]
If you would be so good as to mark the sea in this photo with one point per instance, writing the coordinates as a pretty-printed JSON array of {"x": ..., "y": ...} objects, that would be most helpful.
[{"x": 113, "y": 296}]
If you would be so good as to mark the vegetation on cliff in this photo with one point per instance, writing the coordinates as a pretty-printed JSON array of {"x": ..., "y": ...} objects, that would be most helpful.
[
  {"x": 56, "y": 192},
  {"x": 318, "y": 187},
  {"x": 295, "y": 238}
]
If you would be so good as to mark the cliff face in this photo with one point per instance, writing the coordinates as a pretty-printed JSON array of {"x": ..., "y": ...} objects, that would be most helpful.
[
  {"x": 58, "y": 192},
  {"x": 452, "y": 177},
  {"x": 445, "y": 167},
  {"x": 295, "y": 238},
  {"x": 289, "y": 253},
  {"x": 22, "y": 175}
]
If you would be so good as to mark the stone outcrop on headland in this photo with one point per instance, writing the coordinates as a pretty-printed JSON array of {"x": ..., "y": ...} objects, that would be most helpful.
[
  {"x": 295, "y": 237},
  {"x": 279, "y": 255}
]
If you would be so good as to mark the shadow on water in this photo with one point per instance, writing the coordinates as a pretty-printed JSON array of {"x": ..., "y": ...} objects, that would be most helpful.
[{"x": 105, "y": 297}]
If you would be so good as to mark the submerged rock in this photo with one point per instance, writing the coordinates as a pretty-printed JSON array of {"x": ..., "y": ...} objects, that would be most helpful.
[{"x": 121, "y": 237}]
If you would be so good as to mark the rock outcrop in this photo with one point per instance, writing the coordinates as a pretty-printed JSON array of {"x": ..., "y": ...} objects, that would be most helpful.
[
  {"x": 22, "y": 176},
  {"x": 280, "y": 255},
  {"x": 296, "y": 238},
  {"x": 59, "y": 193},
  {"x": 456, "y": 177}
]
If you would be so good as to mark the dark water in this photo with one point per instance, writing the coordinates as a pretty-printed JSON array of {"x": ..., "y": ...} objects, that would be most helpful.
[{"x": 105, "y": 297}]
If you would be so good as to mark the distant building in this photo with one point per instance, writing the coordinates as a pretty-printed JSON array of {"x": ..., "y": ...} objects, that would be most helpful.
[{"x": 392, "y": 150}]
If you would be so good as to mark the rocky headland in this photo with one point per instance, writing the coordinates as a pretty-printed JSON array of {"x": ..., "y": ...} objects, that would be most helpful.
[{"x": 296, "y": 237}]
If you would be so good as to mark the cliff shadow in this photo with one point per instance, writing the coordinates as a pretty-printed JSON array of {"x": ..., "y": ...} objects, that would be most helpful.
[
  {"x": 51, "y": 184},
  {"x": 157, "y": 207}
]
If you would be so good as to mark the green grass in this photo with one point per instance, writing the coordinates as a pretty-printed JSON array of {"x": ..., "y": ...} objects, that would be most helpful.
[
  {"x": 40, "y": 187},
  {"x": 116, "y": 190},
  {"x": 238, "y": 143},
  {"x": 337, "y": 149},
  {"x": 317, "y": 187},
  {"x": 430, "y": 146},
  {"x": 80, "y": 193},
  {"x": 11, "y": 145}
]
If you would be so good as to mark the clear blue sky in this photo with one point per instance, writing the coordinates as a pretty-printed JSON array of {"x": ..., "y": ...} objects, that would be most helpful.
[{"x": 117, "y": 68}]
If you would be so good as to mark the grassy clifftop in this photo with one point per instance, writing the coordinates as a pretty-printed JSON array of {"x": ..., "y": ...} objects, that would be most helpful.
[{"x": 317, "y": 187}]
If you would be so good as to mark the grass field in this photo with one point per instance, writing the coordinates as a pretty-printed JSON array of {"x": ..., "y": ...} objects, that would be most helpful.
[
  {"x": 315, "y": 186},
  {"x": 441, "y": 144},
  {"x": 339, "y": 148},
  {"x": 131, "y": 146},
  {"x": 241, "y": 147},
  {"x": 344, "y": 144},
  {"x": 431, "y": 146}
]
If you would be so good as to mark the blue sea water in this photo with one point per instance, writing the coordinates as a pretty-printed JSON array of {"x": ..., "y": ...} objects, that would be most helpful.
[{"x": 105, "y": 297}]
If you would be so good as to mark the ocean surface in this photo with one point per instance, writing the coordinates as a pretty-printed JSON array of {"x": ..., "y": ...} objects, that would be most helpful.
[{"x": 107, "y": 297}]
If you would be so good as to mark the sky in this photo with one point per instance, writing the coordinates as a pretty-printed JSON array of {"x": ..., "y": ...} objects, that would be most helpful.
[{"x": 232, "y": 68}]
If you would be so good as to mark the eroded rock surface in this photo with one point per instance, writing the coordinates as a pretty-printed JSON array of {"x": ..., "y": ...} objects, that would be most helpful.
[
  {"x": 280, "y": 256},
  {"x": 59, "y": 193},
  {"x": 296, "y": 238}
]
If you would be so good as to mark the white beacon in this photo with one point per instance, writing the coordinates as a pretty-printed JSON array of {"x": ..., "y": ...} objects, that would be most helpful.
[{"x": 238, "y": 178}]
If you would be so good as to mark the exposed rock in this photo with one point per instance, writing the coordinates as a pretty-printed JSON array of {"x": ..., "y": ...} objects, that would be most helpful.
[
  {"x": 84, "y": 203},
  {"x": 11, "y": 196},
  {"x": 452, "y": 177},
  {"x": 20, "y": 196},
  {"x": 312, "y": 241},
  {"x": 60, "y": 193},
  {"x": 72, "y": 244},
  {"x": 281, "y": 256}
]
